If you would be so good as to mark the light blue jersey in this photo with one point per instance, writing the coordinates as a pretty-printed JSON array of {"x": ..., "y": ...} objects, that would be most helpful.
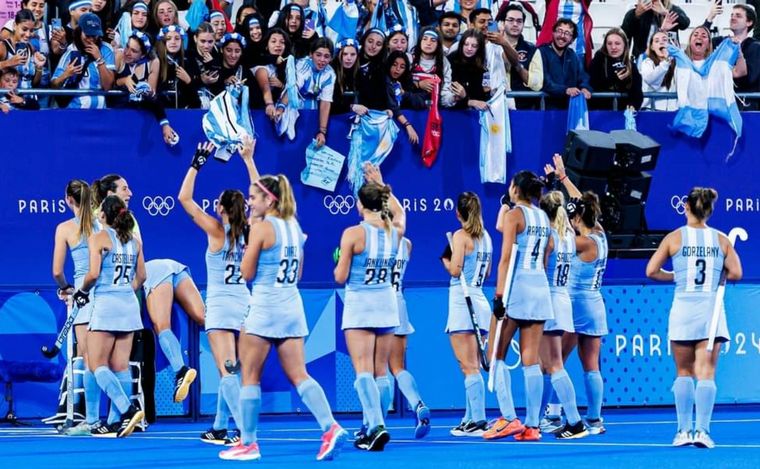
[
  {"x": 558, "y": 268},
  {"x": 477, "y": 262},
  {"x": 313, "y": 85},
  {"x": 80, "y": 255},
  {"x": 276, "y": 307},
  {"x": 530, "y": 298},
  {"x": 697, "y": 267},
  {"x": 223, "y": 269},
  {"x": 90, "y": 78},
  {"x": 589, "y": 311},
  {"x": 372, "y": 269}
]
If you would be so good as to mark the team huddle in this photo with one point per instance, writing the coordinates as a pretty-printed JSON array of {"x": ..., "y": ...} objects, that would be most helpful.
[{"x": 548, "y": 288}]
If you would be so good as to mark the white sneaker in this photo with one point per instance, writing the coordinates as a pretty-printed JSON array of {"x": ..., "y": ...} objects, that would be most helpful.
[
  {"x": 683, "y": 439},
  {"x": 82, "y": 429},
  {"x": 550, "y": 425},
  {"x": 596, "y": 428},
  {"x": 702, "y": 440}
]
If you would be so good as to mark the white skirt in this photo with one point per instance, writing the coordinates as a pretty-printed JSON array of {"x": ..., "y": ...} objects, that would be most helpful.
[
  {"x": 276, "y": 313},
  {"x": 459, "y": 316},
  {"x": 370, "y": 309}
]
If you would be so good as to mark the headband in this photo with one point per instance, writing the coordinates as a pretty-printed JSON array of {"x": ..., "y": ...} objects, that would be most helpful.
[
  {"x": 346, "y": 43},
  {"x": 254, "y": 22},
  {"x": 265, "y": 190},
  {"x": 397, "y": 28},
  {"x": 144, "y": 40},
  {"x": 431, "y": 33},
  {"x": 215, "y": 14},
  {"x": 140, "y": 6},
  {"x": 173, "y": 28},
  {"x": 376, "y": 31},
  {"x": 80, "y": 3},
  {"x": 232, "y": 37}
]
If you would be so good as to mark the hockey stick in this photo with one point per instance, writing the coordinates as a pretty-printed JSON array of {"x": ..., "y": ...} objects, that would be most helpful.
[
  {"x": 740, "y": 233},
  {"x": 51, "y": 352},
  {"x": 471, "y": 310},
  {"x": 70, "y": 315},
  {"x": 505, "y": 298}
]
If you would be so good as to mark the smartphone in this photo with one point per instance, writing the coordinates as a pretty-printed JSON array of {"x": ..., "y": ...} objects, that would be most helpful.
[
  {"x": 309, "y": 24},
  {"x": 493, "y": 27},
  {"x": 55, "y": 23},
  {"x": 618, "y": 66},
  {"x": 22, "y": 49}
]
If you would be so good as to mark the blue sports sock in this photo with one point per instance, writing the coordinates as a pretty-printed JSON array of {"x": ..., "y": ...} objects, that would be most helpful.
[
  {"x": 109, "y": 383},
  {"x": 386, "y": 393},
  {"x": 503, "y": 383},
  {"x": 250, "y": 405},
  {"x": 230, "y": 386},
  {"x": 467, "y": 410},
  {"x": 222, "y": 418},
  {"x": 91, "y": 397},
  {"x": 171, "y": 348},
  {"x": 476, "y": 395},
  {"x": 704, "y": 397},
  {"x": 683, "y": 391},
  {"x": 594, "y": 394},
  {"x": 369, "y": 396},
  {"x": 78, "y": 371},
  {"x": 314, "y": 397},
  {"x": 408, "y": 387},
  {"x": 534, "y": 383},
  {"x": 548, "y": 389},
  {"x": 562, "y": 384},
  {"x": 125, "y": 380}
]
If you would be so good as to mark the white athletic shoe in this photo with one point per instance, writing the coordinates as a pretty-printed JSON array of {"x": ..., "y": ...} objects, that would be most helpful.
[
  {"x": 702, "y": 440},
  {"x": 683, "y": 439},
  {"x": 596, "y": 427},
  {"x": 550, "y": 425},
  {"x": 83, "y": 429}
]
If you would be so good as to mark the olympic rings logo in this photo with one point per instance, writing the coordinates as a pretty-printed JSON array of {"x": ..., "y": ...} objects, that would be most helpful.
[
  {"x": 678, "y": 202},
  {"x": 158, "y": 205},
  {"x": 339, "y": 204}
]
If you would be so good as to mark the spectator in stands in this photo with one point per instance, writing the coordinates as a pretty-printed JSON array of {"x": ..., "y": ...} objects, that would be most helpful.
[
  {"x": 291, "y": 20},
  {"x": 469, "y": 76},
  {"x": 270, "y": 75},
  {"x": 242, "y": 12},
  {"x": 371, "y": 80},
  {"x": 61, "y": 38},
  {"x": 557, "y": 70},
  {"x": 309, "y": 16},
  {"x": 252, "y": 28},
  {"x": 104, "y": 10},
  {"x": 9, "y": 78},
  {"x": 134, "y": 19},
  {"x": 657, "y": 74},
  {"x": 18, "y": 52},
  {"x": 576, "y": 11},
  {"x": 87, "y": 64},
  {"x": 496, "y": 42},
  {"x": 40, "y": 35},
  {"x": 756, "y": 29},
  {"x": 518, "y": 52},
  {"x": 398, "y": 67},
  {"x": 204, "y": 63},
  {"x": 429, "y": 61},
  {"x": 346, "y": 66},
  {"x": 175, "y": 84},
  {"x": 613, "y": 70},
  {"x": 164, "y": 14},
  {"x": 466, "y": 8},
  {"x": 217, "y": 21},
  {"x": 397, "y": 39},
  {"x": 232, "y": 72},
  {"x": 746, "y": 78},
  {"x": 315, "y": 80},
  {"x": 650, "y": 16},
  {"x": 449, "y": 25}
]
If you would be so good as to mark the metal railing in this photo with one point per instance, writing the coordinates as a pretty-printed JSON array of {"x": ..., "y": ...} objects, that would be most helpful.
[{"x": 511, "y": 94}]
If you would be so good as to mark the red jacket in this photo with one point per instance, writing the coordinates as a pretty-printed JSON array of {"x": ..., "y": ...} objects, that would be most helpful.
[{"x": 552, "y": 15}]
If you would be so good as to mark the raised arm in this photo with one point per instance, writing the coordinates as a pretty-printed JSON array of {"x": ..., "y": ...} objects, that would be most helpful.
[
  {"x": 246, "y": 153},
  {"x": 559, "y": 169},
  {"x": 205, "y": 221}
]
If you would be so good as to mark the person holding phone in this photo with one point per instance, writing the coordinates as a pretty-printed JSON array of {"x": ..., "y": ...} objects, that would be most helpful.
[
  {"x": 650, "y": 16},
  {"x": 40, "y": 35},
  {"x": 89, "y": 54},
  {"x": 61, "y": 36},
  {"x": 17, "y": 52},
  {"x": 613, "y": 70},
  {"x": 292, "y": 19},
  {"x": 204, "y": 63}
]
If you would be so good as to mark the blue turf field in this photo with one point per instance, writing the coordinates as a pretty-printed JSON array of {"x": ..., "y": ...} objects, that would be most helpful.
[{"x": 634, "y": 438}]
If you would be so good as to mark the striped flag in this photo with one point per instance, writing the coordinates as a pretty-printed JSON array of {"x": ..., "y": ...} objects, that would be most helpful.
[
  {"x": 287, "y": 123},
  {"x": 341, "y": 19},
  {"x": 228, "y": 120},
  {"x": 372, "y": 139},
  {"x": 495, "y": 139}
]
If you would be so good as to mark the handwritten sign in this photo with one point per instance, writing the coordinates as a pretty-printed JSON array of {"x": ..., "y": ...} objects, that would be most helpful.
[{"x": 323, "y": 166}]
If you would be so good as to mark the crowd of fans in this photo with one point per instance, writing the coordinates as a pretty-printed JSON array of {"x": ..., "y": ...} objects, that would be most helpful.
[{"x": 353, "y": 55}]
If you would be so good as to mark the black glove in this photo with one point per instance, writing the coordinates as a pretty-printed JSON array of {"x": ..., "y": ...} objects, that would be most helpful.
[
  {"x": 498, "y": 308},
  {"x": 81, "y": 298},
  {"x": 200, "y": 157},
  {"x": 446, "y": 253}
]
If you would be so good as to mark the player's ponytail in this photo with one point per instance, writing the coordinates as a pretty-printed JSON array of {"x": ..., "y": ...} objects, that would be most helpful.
[
  {"x": 470, "y": 211},
  {"x": 287, "y": 202},
  {"x": 376, "y": 198},
  {"x": 80, "y": 192},
  {"x": 553, "y": 203},
  {"x": 592, "y": 209},
  {"x": 529, "y": 186},
  {"x": 101, "y": 187},
  {"x": 118, "y": 217},
  {"x": 701, "y": 202},
  {"x": 233, "y": 203}
]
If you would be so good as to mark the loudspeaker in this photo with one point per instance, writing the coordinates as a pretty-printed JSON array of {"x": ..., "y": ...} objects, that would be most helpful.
[
  {"x": 634, "y": 151},
  {"x": 589, "y": 150},
  {"x": 622, "y": 218},
  {"x": 630, "y": 188},
  {"x": 585, "y": 182}
]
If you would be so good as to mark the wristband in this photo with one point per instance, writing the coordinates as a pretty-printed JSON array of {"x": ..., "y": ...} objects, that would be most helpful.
[
  {"x": 269, "y": 104},
  {"x": 63, "y": 289},
  {"x": 563, "y": 178},
  {"x": 407, "y": 124}
]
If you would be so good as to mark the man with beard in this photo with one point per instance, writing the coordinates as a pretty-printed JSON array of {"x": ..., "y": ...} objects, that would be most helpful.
[
  {"x": 518, "y": 51},
  {"x": 448, "y": 26},
  {"x": 557, "y": 70}
]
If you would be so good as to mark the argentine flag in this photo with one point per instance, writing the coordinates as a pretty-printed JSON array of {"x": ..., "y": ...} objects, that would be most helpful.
[
  {"x": 228, "y": 120},
  {"x": 495, "y": 139},
  {"x": 341, "y": 19},
  {"x": 577, "y": 113},
  {"x": 372, "y": 139},
  {"x": 398, "y": 12},
  {"x": 706, "y": 89},
  {"x": 287, "y": 123}
]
